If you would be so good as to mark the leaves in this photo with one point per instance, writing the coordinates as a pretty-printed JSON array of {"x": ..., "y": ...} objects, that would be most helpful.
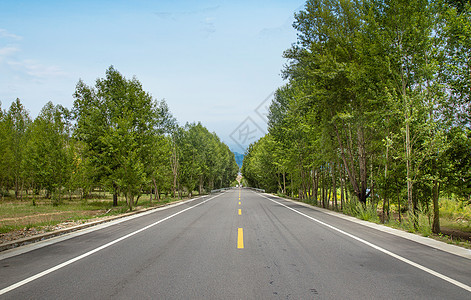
[{"x": 377, "y": 87}]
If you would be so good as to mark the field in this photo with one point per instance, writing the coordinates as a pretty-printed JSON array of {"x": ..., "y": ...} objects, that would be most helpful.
[
  {"x": 455, "y": 221},
  {"x": 21, "y": 218}
]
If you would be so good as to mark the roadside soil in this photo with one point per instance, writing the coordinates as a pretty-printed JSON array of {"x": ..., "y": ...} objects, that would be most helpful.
[
  {"x": 455, "y": 234},
  {"x": 28, "y": 232},
  {"x": 451, "y": 233}
]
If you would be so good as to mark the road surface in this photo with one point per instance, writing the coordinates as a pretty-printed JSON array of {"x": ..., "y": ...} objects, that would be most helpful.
[{"x": 235, "y": 245}]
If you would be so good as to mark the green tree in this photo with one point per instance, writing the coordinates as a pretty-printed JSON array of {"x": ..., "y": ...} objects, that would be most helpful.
[
  {"x": 455, "y": 29},
  {"x": 48, "y": 162},
  {"x": 16, "y": 124},
  {"x": 116, "y": 121},
  {"x": 5, "y": 153}
]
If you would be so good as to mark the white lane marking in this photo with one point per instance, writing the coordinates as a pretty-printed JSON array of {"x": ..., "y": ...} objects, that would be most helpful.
[
  {"x": 40, "y": 244},
  {"x": 425, "y": 269},
  {"x": 39, "y": 275},
  {"x": 456, "y": 250}
]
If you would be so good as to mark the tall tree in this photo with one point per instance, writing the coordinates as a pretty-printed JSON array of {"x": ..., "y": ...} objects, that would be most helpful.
[
  {"x": 48, "y": 162},
  {"x": 17, "y": 121},
  {"x": 116, "y": 120}
]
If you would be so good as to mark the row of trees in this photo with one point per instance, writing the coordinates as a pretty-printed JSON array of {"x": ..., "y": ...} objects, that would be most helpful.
[
  {"x": 116, "y": 137},
  {"x": 377, "y": 105}
]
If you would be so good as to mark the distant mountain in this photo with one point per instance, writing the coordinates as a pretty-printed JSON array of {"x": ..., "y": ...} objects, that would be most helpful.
[{"x": 239, "y": 158}]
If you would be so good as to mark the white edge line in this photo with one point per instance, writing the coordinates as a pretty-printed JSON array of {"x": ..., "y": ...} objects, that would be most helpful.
[
  {"x": 405, "y": 260},
  {"x": 452, "y": 249},
  {"x": 40, "y": 244},
  {"x": 70, "y": 261}
]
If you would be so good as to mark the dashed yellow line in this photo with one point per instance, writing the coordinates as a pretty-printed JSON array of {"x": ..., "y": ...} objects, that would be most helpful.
[
  {"x": 240, "y": 239},
  {"x": 240, "y": 231}
]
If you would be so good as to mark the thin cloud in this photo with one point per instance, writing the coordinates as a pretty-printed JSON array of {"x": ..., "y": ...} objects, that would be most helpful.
[
  {"x": 35, "y": 69},
  {"x": 174, "y": 15},
  {"x": 287, "y": 26},
  {"x": 8, "y": 50},
  {"x": 24, "y": 67},
  {"x": 6, "y": 34},
  {"x": 208, "y": 27}
]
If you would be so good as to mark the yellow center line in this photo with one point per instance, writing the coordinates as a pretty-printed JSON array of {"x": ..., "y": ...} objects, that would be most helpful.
[
  {"x": 240, "y": 239},
  {"x": 239, "y": 202},
  {"x": 240, "y": 212}
]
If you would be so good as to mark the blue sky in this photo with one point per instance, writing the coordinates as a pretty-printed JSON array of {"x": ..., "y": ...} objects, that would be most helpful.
[{"x": 212, "y": 61}]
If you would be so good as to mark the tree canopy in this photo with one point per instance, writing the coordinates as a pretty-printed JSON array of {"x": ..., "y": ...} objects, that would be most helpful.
[
  {"x": 116, "y": 137},
  {"x": 376, "y": 104}
]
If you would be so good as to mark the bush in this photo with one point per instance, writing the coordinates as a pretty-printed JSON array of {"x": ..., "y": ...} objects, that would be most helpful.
[
  {"x": 454, "y": 209},
  {"x": 360, "y": 211}
]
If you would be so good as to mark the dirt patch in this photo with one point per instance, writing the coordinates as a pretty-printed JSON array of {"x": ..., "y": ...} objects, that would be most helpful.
[
  {"x": 28, "y": 232},
  {"x": 455, "y": 234},
  {"x": 34, "y": 217},
  {"x": 63, "y": 216}
]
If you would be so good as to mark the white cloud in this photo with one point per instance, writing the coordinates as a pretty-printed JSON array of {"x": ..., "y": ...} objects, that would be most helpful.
[
  {"x": 175, "y": 14},
  {"x": 208, "y": 26},
  {"x": 8, "y": 50},
  {"x": 275, "y": 32},
  {"x": 19, "y": 67},
  {"x": 35, "y": 69},
  {"x": 5, "y": 34}
]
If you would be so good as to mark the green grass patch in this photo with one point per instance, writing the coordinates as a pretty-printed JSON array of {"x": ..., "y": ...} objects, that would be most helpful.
[
  {"x": 41, "y": 213},
  {"x": 361, "y": 211}
]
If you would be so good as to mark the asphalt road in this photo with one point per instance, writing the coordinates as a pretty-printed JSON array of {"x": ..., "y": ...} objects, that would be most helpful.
[{"x": 220, "y": 247}]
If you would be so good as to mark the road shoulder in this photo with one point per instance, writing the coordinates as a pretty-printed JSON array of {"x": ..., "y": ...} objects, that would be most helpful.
[
  {"x": 452, "y": 249},
  {"x": 41, "y": 240}
]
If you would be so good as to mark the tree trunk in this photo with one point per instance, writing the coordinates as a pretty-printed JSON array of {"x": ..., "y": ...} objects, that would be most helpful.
[
  {"x": 412, "y": 204},
  {"x": 278, "y": 180},
  {"x": 174, "y": 162},
  {"x": 200, "y": 188},
  {"x": 334, "y": 188},
  {"x": 301, "y": 189},
  {"x": 151, "y": 196},
  {"x": 323, "y": 190},
  {"x": 291, "y": 187},
  {"x": 363, "y": 169},
  {"x": 315, "y": 185},
  {"x": 348, "y": 163},
  {"x": 347, "y": 199},
  {"x": 342, "y": 188},
  {"x": 436, "y": 208},
  {"x": 156, "y": 191},
  {"x": 329, "y": 190},
  {"x": 284, "y": 183},
  {"x": 408, "y": 169},
  {"x": 129, "y": 200},
  {"x": 399, "y": 206},
  {"x": 385, "y": 196},
  {"x": 16, "y": 189},
  {"x": 115, "y": 195},
  {"x": 174, "y": 185}
]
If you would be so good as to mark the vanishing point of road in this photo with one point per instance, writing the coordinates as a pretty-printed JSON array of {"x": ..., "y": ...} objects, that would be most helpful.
[{"x": 238, "y": 244}]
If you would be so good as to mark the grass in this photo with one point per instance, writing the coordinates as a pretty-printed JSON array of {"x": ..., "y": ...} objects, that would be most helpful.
[
  {"x": 455, "y": 214},
  {"x": 455, "y": 217},
  {"x": 362, "y": 212},
  {"x": 40, "y": 213}
]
